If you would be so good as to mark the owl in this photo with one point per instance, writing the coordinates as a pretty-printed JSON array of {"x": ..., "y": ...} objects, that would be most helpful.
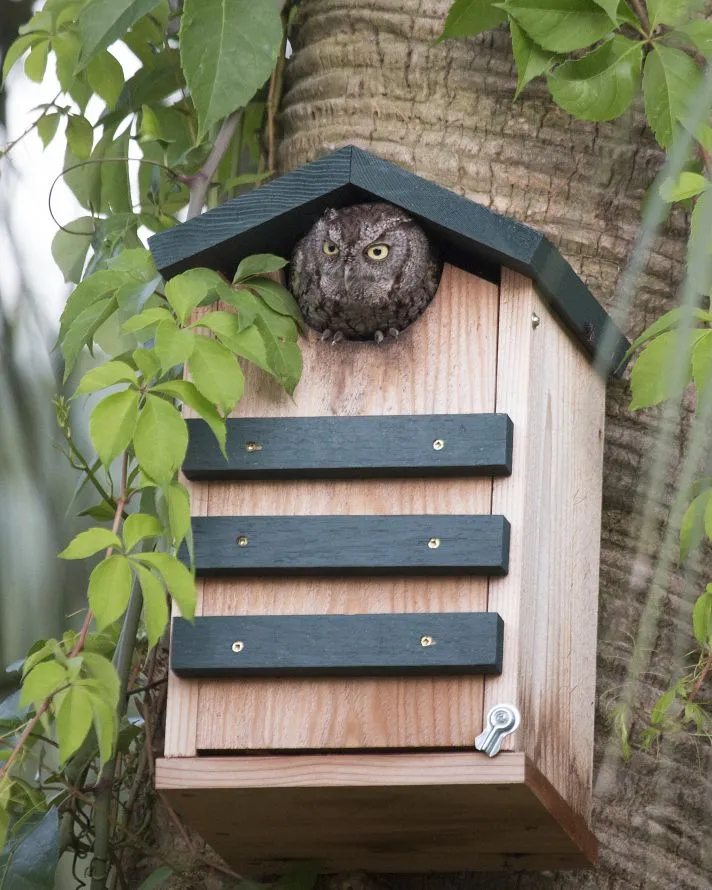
[{"x": 364, "y": 272}]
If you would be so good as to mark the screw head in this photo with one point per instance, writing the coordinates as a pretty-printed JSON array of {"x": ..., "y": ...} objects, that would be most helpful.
[
  {"x": 536, "y": 321},
  {"x": 237, "y": 646},
  {"x": 426, "y": 641},
  {"x": 438, "y": 444},
  {"x": 433, "y": 543},
  {"x": 253, "y": 446},
  {"x": 242, "y": 541}
]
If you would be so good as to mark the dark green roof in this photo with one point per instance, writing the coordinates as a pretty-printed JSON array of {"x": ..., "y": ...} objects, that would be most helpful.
[{"x": 272, "y": 218}]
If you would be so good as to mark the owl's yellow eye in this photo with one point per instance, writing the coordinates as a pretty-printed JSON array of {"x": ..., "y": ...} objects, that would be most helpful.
[
  {"x": 329, "y": 248},
  {"x": 377, "y": 251}
]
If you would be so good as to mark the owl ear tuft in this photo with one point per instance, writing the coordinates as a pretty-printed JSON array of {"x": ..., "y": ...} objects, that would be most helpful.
[{"x": 330, "y": 214}]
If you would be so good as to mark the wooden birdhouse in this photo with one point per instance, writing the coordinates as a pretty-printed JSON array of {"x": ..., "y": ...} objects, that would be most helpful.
[{"x": 393, "y": 663}]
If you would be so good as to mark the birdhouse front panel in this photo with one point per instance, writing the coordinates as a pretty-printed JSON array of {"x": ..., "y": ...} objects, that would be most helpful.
[{"x": 398, "y": 567}]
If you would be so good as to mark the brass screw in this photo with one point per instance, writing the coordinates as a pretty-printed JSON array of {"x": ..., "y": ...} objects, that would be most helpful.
[
  {"x": 253, "y": 446},
  {"x": 242, "y": 541},
  {"x": 536, "y": 321},
  {"x": 433, "y": 543},
  {"x": 438, "y": 444},
  {"x": 427, "y": 641},
  {"x": 237, "y": 646}
]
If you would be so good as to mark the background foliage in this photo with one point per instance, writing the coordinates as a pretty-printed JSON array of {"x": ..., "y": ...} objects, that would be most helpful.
[{"x": 196, "y": 125}]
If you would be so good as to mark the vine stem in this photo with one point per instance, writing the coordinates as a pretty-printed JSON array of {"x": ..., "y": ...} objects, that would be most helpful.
[
  {"x": 640, "y": 11},
  {"x": 199, "y": 183},
  {"x": 701, "y": 679}
]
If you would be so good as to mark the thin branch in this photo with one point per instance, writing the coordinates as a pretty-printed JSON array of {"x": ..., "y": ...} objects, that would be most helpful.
[
  {"x": 199, "y": 183},
  {"x": 641, "y": 12},
  {"x": 50, "y": 107},
  {"x": 273, "y": 99}
]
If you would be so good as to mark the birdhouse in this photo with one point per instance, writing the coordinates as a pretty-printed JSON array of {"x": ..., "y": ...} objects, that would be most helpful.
[{"x": 392, "y": 667}]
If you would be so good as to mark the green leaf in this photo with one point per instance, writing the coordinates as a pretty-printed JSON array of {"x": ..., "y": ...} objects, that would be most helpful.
[
  {"x": 278, "y": 298},
  {"x": 687, "y": 186},
  {"x": 154, "y": 880},
  {"x": 469, "y": 17},
  {"x": 95, "y": 287},
  {"x": 138, "y": 527},
  {"x": 17, "y": 49},
  {"x": 177, "y": 502},
  {"x": 155, "y": 606},
  {"x": 225, "y": 325},
  {"x": 258, "y": 264},
  {"x": 531, "y": 60},
  {"x": 601, "y": 85},
  {"x": 74, "y": 720},
  {"x": 178, "y": 580},
  {"x": 653, "y": 378},
  {"x": 36, "y": 62},
  {"x": 184, "y": 294},
  {"x": 670, "y": 12},
  {"x": 173, "y": 345},
  {"x": 104, "y": 675},
  {"x": 106, "y": 727},
  {"x": 41, "y": 682},
  {"x": 161, "y": 439},
  {"x": 284, "y": 358},
  {"x": 667, "y": 321},
  {"x": 228, "y": 50},
  {"x": 702, "y": 367},
  {"x": 29, "y": 861},
  {"x": 109, "y": 590},
  {"x": 106, "y": 77},
  {"x": 611, "y": 8},
  {"x": 148, "y": 318},
  {"x": 47, "y": 127},
  {"x": 102, "y": 22},
  {"x": 216, "y": 373},
  {"x": 80, "y": 136},
  {"x": 670, "y": 79},
  {"x": 560, "y": 25},
  {"x": 69, "y": 248},
  {"x": 147, "y": 362},
  {"x": 108, "y": 374},
  {"x": 115, "y": 187},
  {"x": 137, "y": 261},
  {"x": 698, "y": 32},
  {"x": 702, "y": 619},
  {"x": 185, "y": 391},
  {"x": 692, "y": 529},
  {"x": 83, "y": 330},
  {"x": 112, "y": 424},
  {"x": 89, "y": 542}
]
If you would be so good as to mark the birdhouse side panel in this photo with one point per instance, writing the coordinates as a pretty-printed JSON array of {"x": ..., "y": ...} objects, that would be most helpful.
[
  {"x": 553, "y": 499},
  {"x": 444, "y": 364}
]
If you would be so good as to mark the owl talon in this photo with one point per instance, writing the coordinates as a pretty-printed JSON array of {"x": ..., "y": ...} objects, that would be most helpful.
[
  {"x": 326, "y": 335},
  {"x": 378, "y": 337},
  {"x": 393, "y": 332},
  {"x": 338, "y": 337}
]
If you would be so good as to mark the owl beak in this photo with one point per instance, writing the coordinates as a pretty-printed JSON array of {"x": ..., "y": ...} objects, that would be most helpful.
[{"x": 347, "y": 275}]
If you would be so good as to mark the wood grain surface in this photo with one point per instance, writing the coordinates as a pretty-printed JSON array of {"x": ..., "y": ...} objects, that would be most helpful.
[
  {"x": 350, "y": 545},
  {"x": 352, "y": 447},
  {"x": 433, "y": 644},
  {"x": 549, "y": 598},
  {"x": 378, "y": 812},
  {"x": 444, "y": 364}
]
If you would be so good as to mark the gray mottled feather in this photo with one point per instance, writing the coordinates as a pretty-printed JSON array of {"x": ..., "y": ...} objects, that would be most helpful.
[{"x": 353, "y": 296}]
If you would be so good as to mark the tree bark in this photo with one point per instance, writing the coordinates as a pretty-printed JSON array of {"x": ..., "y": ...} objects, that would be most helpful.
[{"x": 370, "y": 74}]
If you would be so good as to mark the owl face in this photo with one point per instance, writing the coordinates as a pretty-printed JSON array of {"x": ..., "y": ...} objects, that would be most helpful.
[
  {"x": 363, "y": 252},
  {"x": 363, "y": 270}
]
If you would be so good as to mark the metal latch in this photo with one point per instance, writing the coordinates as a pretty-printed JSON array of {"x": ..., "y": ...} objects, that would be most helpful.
[{"x": 501, "y": 721}]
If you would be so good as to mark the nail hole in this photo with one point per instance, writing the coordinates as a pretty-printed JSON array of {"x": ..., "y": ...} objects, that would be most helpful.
[
  {"x": 242, "y": 541},
  {"x": 438, "y": 444},
  {"x": 427, "y": 641},
  {"x": 238, "y": 646},
  {"x": 433, "y": 543}
]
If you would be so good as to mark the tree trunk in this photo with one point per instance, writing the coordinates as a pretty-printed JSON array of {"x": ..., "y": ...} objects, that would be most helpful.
[{"x": 369, "y": 74}]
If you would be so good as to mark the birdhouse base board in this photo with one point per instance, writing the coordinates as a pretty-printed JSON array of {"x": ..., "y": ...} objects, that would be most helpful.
[{"x": 405, "y": 812}]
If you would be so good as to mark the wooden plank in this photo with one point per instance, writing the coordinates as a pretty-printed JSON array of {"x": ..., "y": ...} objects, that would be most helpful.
[
  {"x": 377, "y": 812},
  {"x": 350, "y": 545},
  {"x": 271, "y": 219},
  {"x": 352, "y": 447},
  {"x": 428, "y": 371},
  {"x": 407, "y": 645},
  {"x": 549, "y": 599}
]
